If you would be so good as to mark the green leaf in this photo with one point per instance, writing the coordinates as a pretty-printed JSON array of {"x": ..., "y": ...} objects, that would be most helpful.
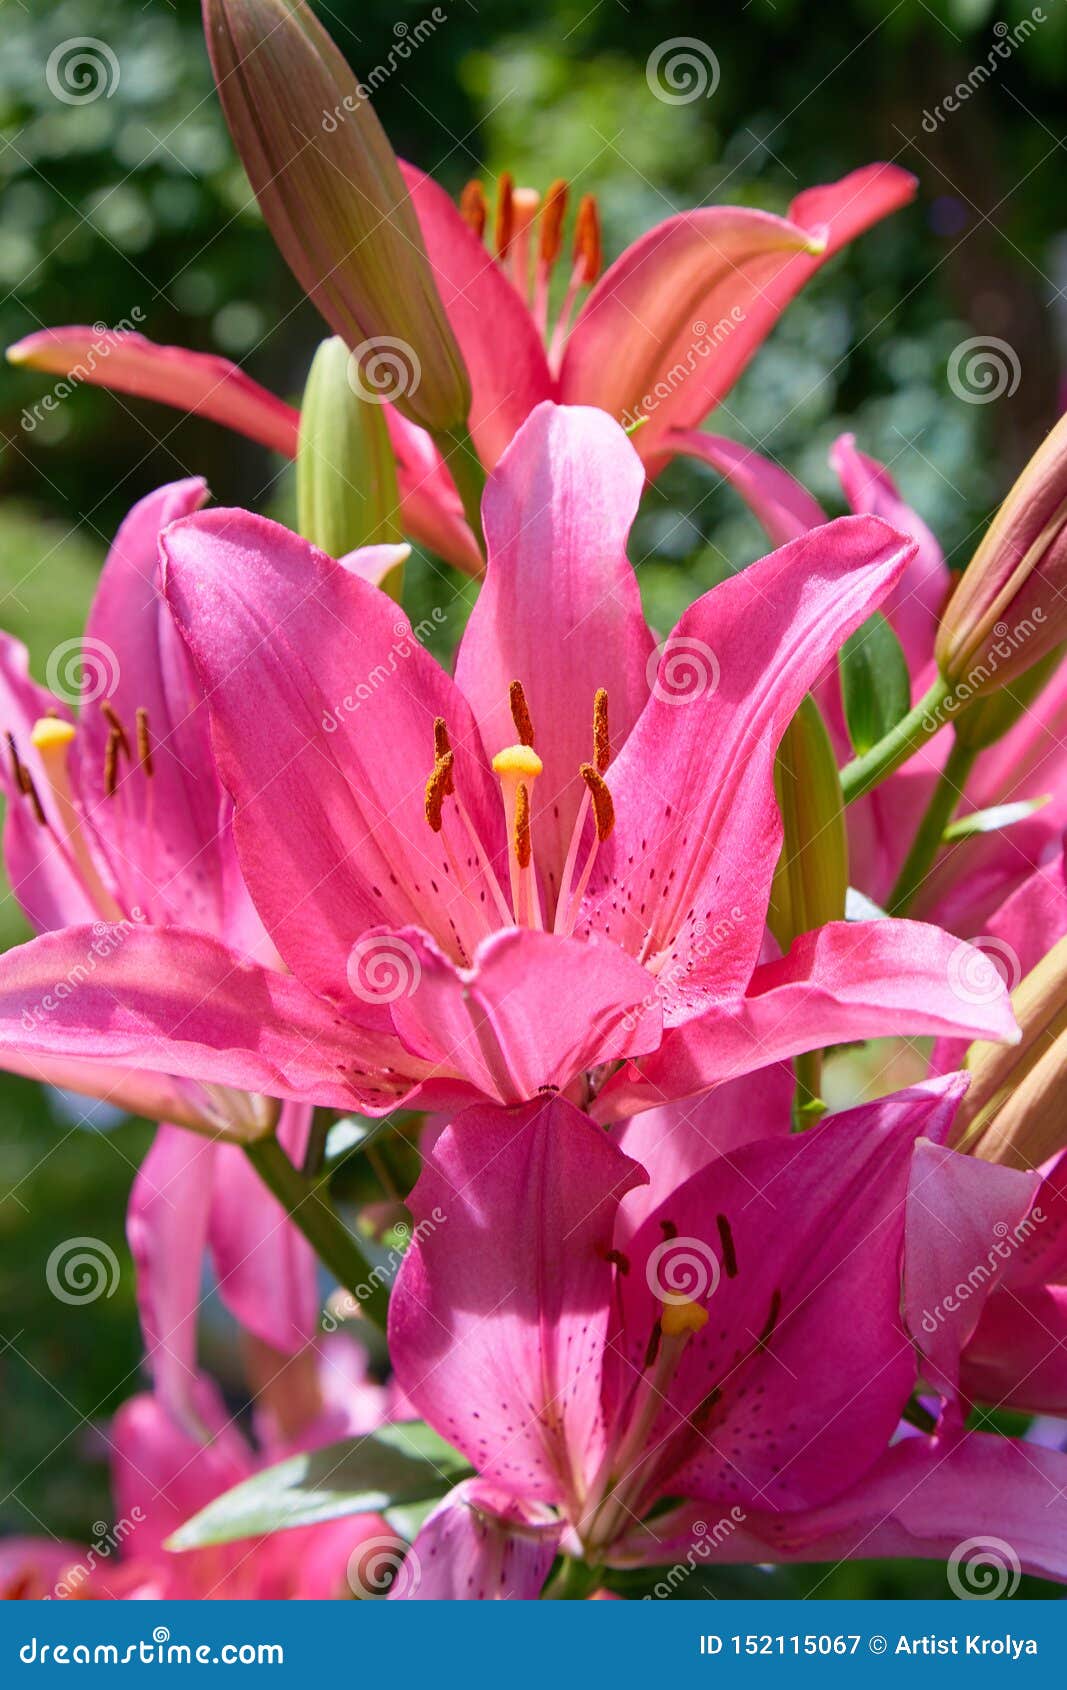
[
  {"x": 874, "y": 682},
  {"x": 397, "y": 1465},
  {"x": 998, "y": 816}
]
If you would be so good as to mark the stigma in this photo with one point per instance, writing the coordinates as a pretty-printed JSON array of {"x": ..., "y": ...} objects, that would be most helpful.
[
  {"x": 679, "y": 1320},
  {"x": 524, "y": 902}
]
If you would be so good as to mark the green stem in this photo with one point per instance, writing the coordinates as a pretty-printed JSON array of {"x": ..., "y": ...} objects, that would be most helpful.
[
  {"x": 927, "y": 842},
  {"x": 911, "y": 731},
  {"x": 321, "y": 1226},
  {"x": 574, "y": 1582},
  {"x": 465, "y": 468},
  {"x": 808, "y": 1106}
]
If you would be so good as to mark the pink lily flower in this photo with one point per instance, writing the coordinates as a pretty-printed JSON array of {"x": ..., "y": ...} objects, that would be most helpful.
[
  {"x": 972, "y": 878},
  {"x": 161, "y": 1475},
  {"x": 527, "y": 917},
  {"x": 738, "y": 1343},
  {"x": 116, "y": 825},
  {"x": 660, "y": 338}
]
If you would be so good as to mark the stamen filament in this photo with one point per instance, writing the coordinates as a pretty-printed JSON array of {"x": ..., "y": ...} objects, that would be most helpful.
[
  {"x": 144, "y": 743},
  {"x": 524, "y": 207},
  {"x": 51, "y": 739}
]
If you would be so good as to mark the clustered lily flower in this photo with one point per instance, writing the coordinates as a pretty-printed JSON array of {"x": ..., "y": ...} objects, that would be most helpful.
[{"x": 581, "y": 913}]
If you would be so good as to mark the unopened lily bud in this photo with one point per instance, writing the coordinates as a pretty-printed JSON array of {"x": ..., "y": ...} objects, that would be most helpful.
[
  {"x": 331, "y": 191},
  {"x": 811, "y": 880},
  {"x": 345, "y": 469},
  {"x": 1010, "y": 608},
  {"x": 1015, "y": 1111},
  {"x": 989, "y": 718}
]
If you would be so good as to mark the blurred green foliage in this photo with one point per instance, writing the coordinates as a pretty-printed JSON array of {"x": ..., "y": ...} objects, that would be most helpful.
[{"x": 134, "y": 201}]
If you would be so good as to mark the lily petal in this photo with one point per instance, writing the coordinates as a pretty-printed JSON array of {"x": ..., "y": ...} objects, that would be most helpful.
[
  {"x": 267, "y": 1271},
  {"x": 166, "y": 1225},
  {"x": 914, "y": 606},
  {"x": 534, "y": 1010},
  {"x": 500, "y": 1312},
  {"x": 847, "y": 980},
  {"x": 700, "y": 293},
  {"x": 783, "y": 506},
  {"x": 200, "y": 382},
  {"x": 44, "y": 877},
  {"x": 475, "y": 293},
  {"x": 183, "y": 1003},
  {"x": 323, "y": 705},
  {"x": 793, "y": 1245},
  {"x": 962, "y": 1221},
  {"x": 560, "y": 610},
  {"x": 678, "y": 1140},
  {"x": 697, "y": 828},
  {"x": 480, "y": 1545}
]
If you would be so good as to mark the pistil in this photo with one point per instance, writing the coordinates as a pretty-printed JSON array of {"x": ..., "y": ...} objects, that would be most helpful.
[{"x": 51, "y": 739}]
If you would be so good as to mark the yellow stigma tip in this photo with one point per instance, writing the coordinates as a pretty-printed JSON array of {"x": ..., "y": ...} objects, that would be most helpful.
[
  {"x": 51, "y": 734},
  {"x": 519, "y": 760},
  {"x": 679, "y": 1319}
]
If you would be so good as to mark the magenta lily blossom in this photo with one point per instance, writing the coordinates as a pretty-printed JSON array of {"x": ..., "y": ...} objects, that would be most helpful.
[
  {"x": 974, "y": 876},
  {"x": 661, "y": 338},
  {"x": 523, "y": 919},
  {"x": 116, "y": 819},
  {"x": 737, "y": 1342}
]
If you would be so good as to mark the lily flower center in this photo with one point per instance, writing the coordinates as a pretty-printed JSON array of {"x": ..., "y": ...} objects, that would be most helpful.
[
  {"x": 519, "y": 214},
  {"x": 54, "y": 806},
  {"x": 518, "y": 767}
]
